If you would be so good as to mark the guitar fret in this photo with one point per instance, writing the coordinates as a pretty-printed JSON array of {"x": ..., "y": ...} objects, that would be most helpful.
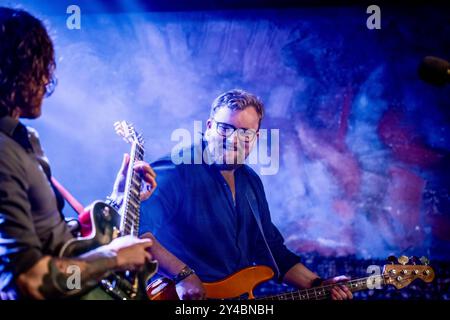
[
  {"x": 134, "y": 189},
  {"x": 135, "y": 192},
  {"x": 131, "y": 226},
  {"x": 131, "y": 218},
  {"x": 131, "y": 215},
  {"x": 135, "y": 201},
  {"x": 127, "y": 229},
  {"x": 130, "y": 221},
  {"x": 324, "y": 292},
  {"x": 134, "y": 180},
  {"x": 136, "y": 197},
  {"x": 139, "y": 151}
]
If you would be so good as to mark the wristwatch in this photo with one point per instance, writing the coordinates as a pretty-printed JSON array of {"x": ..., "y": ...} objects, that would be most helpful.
[{"x": 183, "y": 274}]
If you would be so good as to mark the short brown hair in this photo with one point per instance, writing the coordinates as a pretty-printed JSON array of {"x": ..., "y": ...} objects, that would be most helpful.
[{"x": 238, "y": 99}]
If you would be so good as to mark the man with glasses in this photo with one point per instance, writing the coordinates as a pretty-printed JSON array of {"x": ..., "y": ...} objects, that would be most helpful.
[{"x": 214, "y": 216}]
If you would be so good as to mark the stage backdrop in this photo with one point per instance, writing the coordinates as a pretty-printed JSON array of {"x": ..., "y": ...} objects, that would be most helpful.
[{"x": 364, "y": 143}]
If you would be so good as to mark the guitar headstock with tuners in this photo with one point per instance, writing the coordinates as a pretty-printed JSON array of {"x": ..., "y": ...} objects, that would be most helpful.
[
  {"x": 409, "y": 269},
  {"x": 126, "y": 130}
]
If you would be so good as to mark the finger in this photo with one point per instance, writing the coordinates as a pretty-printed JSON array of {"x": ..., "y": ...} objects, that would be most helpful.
[
  {"x": 150, "y": 192},
  {"x": 145, "y": 175},
  {"x": 151, "y": 181},
  {"x": 150, "y": 169},
  {"x": 145, "y": 168},
  {"x": 146, "y": 244},
  {"x": 348, "y": 293},
  {"x": 125, "y": 162},
  {"x": 143, "y": 240},
  {"x": 144, "y": 195},
  {"x": 335, "y": 294},
  {"x": 148, "y": 256},
  {"x": 341, "y": 293},
  {"x": 147, "y": 189}
]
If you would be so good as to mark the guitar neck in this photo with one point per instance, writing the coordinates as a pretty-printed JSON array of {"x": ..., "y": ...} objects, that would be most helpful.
[
  {"x": 132, "y": 202},
  {"x": 324, "y": 292}
]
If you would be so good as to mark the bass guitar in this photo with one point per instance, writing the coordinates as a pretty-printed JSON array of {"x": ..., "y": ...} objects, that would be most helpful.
[{"x": 242, "y": 283}]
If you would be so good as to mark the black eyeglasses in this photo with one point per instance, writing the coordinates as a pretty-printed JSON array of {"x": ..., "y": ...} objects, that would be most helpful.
[
  {"x": 50, "y": 86},
  {"x": 226, "y": 130}
]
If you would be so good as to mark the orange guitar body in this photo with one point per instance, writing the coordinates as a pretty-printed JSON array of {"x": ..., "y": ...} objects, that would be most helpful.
[{"x": 240, "y": 283}]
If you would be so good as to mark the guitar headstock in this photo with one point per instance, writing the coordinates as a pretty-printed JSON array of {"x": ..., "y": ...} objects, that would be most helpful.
[
  {"x": 402, "y": 274},
  {"x": 127, "y": 131}
]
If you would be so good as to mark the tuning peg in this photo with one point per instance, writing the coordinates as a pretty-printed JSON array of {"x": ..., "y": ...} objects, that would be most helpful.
[
  {"x": 414, "y": 260},
  {"x": 425, "y": 261},
  {"x": 403, "y": 260},
  {"x": 392, "y": 259}
]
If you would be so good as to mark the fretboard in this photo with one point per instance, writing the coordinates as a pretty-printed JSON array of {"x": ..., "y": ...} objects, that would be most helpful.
[
  {"x": 132, "y": 202},
  {"x": 324, "y": 292}
]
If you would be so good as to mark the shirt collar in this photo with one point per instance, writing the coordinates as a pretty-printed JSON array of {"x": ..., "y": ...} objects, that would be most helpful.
[
  {"x": 17, "y": 131},
  {"x": 8, "y": 125}
]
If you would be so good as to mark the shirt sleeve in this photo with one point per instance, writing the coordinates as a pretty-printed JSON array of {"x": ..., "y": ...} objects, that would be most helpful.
[
  {"x": 284, "y": 258},
  {"x": 164, "y": 202},
  {"x": 20, "y": 247}
]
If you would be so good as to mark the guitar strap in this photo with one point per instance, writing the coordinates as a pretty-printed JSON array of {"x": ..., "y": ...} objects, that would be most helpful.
[
  {"x": 251, "y": 199},
  {"x": 77, "y": 206}
]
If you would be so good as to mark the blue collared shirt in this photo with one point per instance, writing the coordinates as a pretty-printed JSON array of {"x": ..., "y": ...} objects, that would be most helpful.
[{"x": 192, "y": 214}]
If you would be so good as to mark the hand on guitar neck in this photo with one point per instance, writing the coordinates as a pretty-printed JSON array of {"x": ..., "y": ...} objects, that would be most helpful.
[
  {"x": 339, "y": 292},
  {"x": 145, "y": 172},
  {"x": 302, "y": 277}
]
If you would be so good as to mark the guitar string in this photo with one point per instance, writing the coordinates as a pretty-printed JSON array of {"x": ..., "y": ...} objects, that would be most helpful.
[
  {"x": 131, "y": 214},
  {"x": 307, "y": 294}
]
